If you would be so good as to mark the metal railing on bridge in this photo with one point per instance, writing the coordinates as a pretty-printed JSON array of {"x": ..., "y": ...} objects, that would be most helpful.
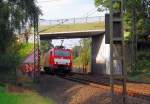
[{"x": 45, "y": 22}]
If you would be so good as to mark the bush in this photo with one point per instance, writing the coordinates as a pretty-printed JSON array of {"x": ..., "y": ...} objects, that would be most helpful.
[
  {"x": 8, "y": 65},
  {"x": 10, "y": 60},
  {"x": 24, "y": 50}
]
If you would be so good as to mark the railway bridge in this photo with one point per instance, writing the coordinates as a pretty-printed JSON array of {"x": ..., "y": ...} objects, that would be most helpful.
[{"x": 100, "y": 50}]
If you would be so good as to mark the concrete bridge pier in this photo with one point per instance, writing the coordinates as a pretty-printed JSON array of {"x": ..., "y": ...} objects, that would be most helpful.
[{"x": 100, "y": 57}]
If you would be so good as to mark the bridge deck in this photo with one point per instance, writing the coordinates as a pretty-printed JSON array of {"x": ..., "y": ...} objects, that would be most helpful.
[{"x": 71, "y": 34}]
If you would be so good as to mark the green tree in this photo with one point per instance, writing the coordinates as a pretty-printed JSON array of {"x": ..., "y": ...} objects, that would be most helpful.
[
  {"x": 137, "y": 22},
  {"x": 141, "y": 9},
  {"x": 45, "y": 46},
  {"x": 14, "y": 15},
  {"x": 85, "y": 54},
  {"x": 75, "y": 51}
]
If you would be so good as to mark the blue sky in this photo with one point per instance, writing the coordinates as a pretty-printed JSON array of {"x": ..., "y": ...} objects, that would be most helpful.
[{"x": 57, "y": 9}]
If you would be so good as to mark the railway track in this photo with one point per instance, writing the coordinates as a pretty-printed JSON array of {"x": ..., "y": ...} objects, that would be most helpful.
[{"x": 104, "y": 83}]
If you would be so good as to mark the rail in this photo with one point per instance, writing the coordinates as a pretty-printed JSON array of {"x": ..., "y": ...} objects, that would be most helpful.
[{"x": 104, "y": 82}]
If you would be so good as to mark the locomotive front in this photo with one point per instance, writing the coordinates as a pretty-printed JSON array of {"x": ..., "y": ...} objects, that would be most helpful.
[{"x": 62, "y": 60}]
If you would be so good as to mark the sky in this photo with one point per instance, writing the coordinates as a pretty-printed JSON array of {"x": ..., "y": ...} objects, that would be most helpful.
[{"x": 59, "y": 9}]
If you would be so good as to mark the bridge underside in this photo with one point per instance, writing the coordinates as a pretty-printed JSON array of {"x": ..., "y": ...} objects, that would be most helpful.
[
  {"x": 100, "y": 51},
  {"x": 72, "y": 34}
]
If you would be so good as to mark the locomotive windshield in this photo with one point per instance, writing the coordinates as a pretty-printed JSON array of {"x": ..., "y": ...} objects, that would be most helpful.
[{"x": 62, "y": 53}]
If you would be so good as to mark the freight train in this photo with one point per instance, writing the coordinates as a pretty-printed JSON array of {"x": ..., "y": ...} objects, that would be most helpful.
[{"x": 58, "y": 59}]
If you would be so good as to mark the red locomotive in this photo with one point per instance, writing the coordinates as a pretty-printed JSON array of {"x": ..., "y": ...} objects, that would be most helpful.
[{"x": 58, "y": 59}]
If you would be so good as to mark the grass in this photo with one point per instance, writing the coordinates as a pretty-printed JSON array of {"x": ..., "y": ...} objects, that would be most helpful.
[
  {"x": 73, "y": 27},
  {"x": 22, "y": 98},
  {"x": 2, "y": 87},
  {"x": 25, "y": 50},
  {"x": 140, "y": 78}
]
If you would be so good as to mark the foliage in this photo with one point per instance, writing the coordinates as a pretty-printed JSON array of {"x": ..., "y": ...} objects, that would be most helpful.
[
  {"x": 77, "y": 61},
  {"x": 104, "y": 3},
  {"x": 142, "y": 21},
  {"x": 8, "y": 65},
  {"x": 2, "y": 87},
  {"x": 144, "y": 61},
  {"x": 146, "y": 27},
  {"x": 82, "y": 54},
  {"x": 85, "y": 51},
  {"x": 136, "y": 24},
  {"x": 76, "y": 51},
  {"x": 5, "y": 30},
  {"x": 24, "y": 50},
  {"x": 14, "y": 15},
  {"x": 10, "y": 60},
  {"x": 142, "y": 72},
  {"x": 140, "y": 77},
  {"x": 45, "y": 45}
]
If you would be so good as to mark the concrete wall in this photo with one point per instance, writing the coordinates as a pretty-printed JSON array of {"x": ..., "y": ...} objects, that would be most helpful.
[
  {"x": 100, "y": 57},
  {"x": 100, "y": 52}
]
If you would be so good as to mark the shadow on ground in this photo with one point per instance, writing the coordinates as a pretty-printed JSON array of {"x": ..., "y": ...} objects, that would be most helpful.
[{"x": 67, "y": 92}]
